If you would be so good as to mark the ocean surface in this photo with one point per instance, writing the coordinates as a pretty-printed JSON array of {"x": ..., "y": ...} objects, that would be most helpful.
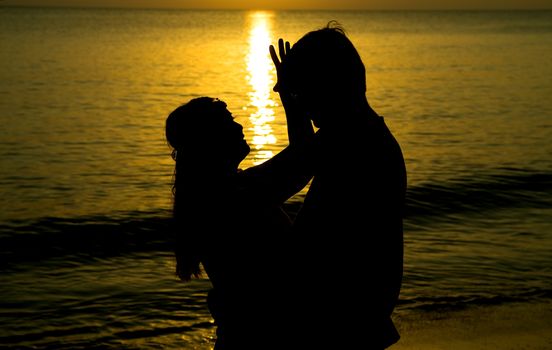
[{"x": 86, "y": 174}]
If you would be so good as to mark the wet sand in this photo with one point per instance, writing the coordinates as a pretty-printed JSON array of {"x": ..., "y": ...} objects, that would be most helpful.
[{"x": 519, "y": 326}]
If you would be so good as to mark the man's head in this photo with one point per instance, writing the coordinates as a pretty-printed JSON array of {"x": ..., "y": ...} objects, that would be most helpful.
[{"x": 324, "y": 71}]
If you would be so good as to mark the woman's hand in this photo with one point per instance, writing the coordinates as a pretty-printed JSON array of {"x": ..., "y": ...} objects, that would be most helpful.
[
  {"x": 300, "y": 130},
  {"x": 288, "y": 100},
  {"x": 283, "y": 49}
]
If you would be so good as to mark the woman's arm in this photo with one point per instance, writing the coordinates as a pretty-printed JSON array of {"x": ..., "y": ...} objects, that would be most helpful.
[
  {"x": 300, "y": 129},
  {"x": 285, "y": 174},
  {"x": 277, "y": 179}
]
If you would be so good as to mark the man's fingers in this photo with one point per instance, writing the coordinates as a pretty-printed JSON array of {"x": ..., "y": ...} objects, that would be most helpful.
[
  {"x": 281, "y": 48},
  {"x": 288, "y": 46}
]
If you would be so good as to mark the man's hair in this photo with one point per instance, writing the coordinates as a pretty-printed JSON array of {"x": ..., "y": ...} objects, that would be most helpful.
[{"x": 326, "y": 59}]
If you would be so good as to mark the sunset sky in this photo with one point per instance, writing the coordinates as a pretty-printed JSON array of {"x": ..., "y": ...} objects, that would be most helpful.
[{"x": 295, "y": 4}]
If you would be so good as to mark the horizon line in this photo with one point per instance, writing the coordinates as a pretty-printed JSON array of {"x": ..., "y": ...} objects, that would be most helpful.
[{"x": 272, "y": 9}]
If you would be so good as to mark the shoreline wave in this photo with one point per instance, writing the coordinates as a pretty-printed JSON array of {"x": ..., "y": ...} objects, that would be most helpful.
[{"x": 131, "y": 232}]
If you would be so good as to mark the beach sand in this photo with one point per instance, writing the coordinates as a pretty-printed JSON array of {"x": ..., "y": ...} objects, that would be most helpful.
[{"x": 516, "y": 326}]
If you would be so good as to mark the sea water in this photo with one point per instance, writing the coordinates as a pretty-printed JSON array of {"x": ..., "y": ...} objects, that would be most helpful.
[{"x": 86, "y": 174}]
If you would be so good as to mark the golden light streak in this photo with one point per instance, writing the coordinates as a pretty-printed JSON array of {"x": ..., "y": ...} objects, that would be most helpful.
[{"x": 261, "y": 75}]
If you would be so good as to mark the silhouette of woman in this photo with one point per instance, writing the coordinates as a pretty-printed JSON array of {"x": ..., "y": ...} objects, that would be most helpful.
[
  {"x": 231, "y": 222},
  {"x": 350, "y": 228}
]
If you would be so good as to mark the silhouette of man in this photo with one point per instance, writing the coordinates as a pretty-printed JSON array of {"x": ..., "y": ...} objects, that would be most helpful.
[{"x": 349, "y": 230}]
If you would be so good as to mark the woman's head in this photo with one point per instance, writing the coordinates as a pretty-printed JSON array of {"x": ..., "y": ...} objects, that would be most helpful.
[
  {"x": 207, "y": 144},
  {"x": 324, "y": 70},
  {"x": 203, "y": 131}
]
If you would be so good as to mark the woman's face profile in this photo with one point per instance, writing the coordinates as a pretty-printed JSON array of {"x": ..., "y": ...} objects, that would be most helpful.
[{"x": 228, "y": 136}]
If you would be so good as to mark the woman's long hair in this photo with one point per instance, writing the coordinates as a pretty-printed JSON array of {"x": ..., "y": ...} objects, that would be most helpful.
[
  {"x": 207, "y": 146},
  {"x": 187, "y": 245},
  {"x": 183, "y": 130}
]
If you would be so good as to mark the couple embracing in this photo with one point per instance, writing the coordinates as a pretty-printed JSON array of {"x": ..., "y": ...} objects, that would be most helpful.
[{"x": 328, "y": 277}]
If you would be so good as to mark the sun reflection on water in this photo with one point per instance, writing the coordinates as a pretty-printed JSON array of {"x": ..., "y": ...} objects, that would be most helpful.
[{"x": 260, "y": 77}]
